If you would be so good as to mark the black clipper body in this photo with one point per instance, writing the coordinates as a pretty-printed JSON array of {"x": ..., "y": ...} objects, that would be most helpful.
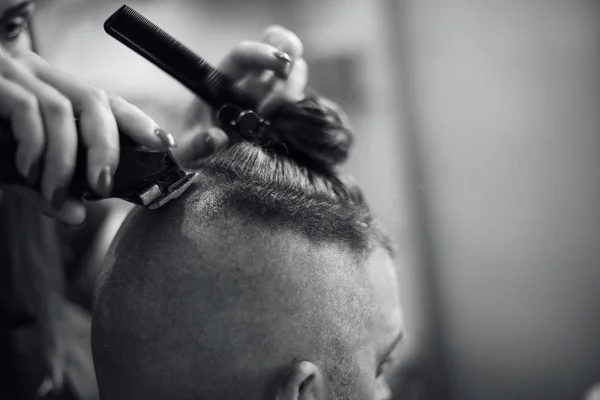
[{"x": 144, "y": 177}]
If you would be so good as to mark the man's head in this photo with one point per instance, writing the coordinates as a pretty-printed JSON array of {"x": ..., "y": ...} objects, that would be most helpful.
[{"x": 266, "y": 281}]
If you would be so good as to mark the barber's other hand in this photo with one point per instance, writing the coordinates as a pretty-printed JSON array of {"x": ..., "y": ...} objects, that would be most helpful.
[
  {"x": 272, "y": 70},
  {"x": 41, "y": 104}
]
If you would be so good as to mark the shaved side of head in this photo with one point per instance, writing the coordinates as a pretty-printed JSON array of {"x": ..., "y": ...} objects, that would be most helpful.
[
  {"x": 265, "y": 263},
  {"x": 200, "y": 301}
]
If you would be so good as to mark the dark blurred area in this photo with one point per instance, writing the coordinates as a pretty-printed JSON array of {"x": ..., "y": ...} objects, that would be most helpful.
[{"x": 478, "y": 145}]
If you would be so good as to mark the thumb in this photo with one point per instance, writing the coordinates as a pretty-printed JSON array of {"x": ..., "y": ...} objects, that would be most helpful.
[
  {"x": 290, "y": 90},
  {"x": 196, "y": 145}
]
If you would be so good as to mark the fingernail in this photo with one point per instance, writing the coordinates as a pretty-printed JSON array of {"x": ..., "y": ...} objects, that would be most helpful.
[
  {"x": 34, "y": 172},
  {"x": 284, "y": 72},
  {"x": 59, "y": 198},
  {"x": 166, "y": 137},
  {"x": 283, "y": 56},
  {"x": 105, "y": 181}
]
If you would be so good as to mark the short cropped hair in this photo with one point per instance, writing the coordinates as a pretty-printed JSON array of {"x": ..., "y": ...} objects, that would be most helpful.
[{"x": 293, "y": 179}]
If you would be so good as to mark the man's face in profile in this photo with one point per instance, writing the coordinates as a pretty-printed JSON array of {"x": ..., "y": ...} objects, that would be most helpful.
[{"x": 387, "y": 328}]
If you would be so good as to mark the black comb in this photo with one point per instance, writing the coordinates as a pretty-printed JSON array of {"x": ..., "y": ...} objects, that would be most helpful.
[{"x": 157, "y": 46}]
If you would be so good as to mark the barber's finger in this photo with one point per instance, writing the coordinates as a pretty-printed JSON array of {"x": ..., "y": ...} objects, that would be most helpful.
[
  {"x": 259, "y": 83},
  {"x": 97, "y": 129},
  {"x": 251, "y": 56},
  {"x": 137, "y": 125},
  {"x": 130, "y": 119},
  {"x": 61, "y": 133},
  {"x": 100, "y": 117},
  {"x": 290, "y": 90},
  {"x": 73, "y": 213},
  {"x": 21, "y": 109},
  {"x": 197, "y": 145},
  {"x": 97, "y": 124},
  {"x": 285, "y": 40}
]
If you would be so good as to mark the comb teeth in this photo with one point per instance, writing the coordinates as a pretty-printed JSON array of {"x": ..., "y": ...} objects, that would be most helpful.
[{"x": 157, "y": 46}]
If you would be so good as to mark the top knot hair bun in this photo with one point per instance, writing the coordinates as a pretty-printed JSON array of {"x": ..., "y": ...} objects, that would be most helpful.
[{"x": 313, "y": 132}]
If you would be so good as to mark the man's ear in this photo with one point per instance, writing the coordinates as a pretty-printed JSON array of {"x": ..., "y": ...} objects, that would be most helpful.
[{"x": 303, "y": 382}]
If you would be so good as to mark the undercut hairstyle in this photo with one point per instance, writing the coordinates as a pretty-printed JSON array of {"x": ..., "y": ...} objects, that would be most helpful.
[
  {"x": 263, "y": 258},
  {"x": 293, "y": 179}
]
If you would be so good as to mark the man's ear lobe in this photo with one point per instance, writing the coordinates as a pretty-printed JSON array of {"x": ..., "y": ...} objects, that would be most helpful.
[{"x": 303, "y": 382}]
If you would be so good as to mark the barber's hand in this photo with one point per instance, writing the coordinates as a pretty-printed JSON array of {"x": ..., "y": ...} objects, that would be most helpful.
[
  {"x": 41, "y": 104},
  {"x": 272, "y": 70}
]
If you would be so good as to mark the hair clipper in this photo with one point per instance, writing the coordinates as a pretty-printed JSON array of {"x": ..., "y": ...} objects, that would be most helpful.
[{"x": 144, "y": 177}]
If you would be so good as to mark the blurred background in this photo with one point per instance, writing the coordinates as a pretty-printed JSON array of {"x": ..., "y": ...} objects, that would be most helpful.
[{"x": 478, "y": 145}]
